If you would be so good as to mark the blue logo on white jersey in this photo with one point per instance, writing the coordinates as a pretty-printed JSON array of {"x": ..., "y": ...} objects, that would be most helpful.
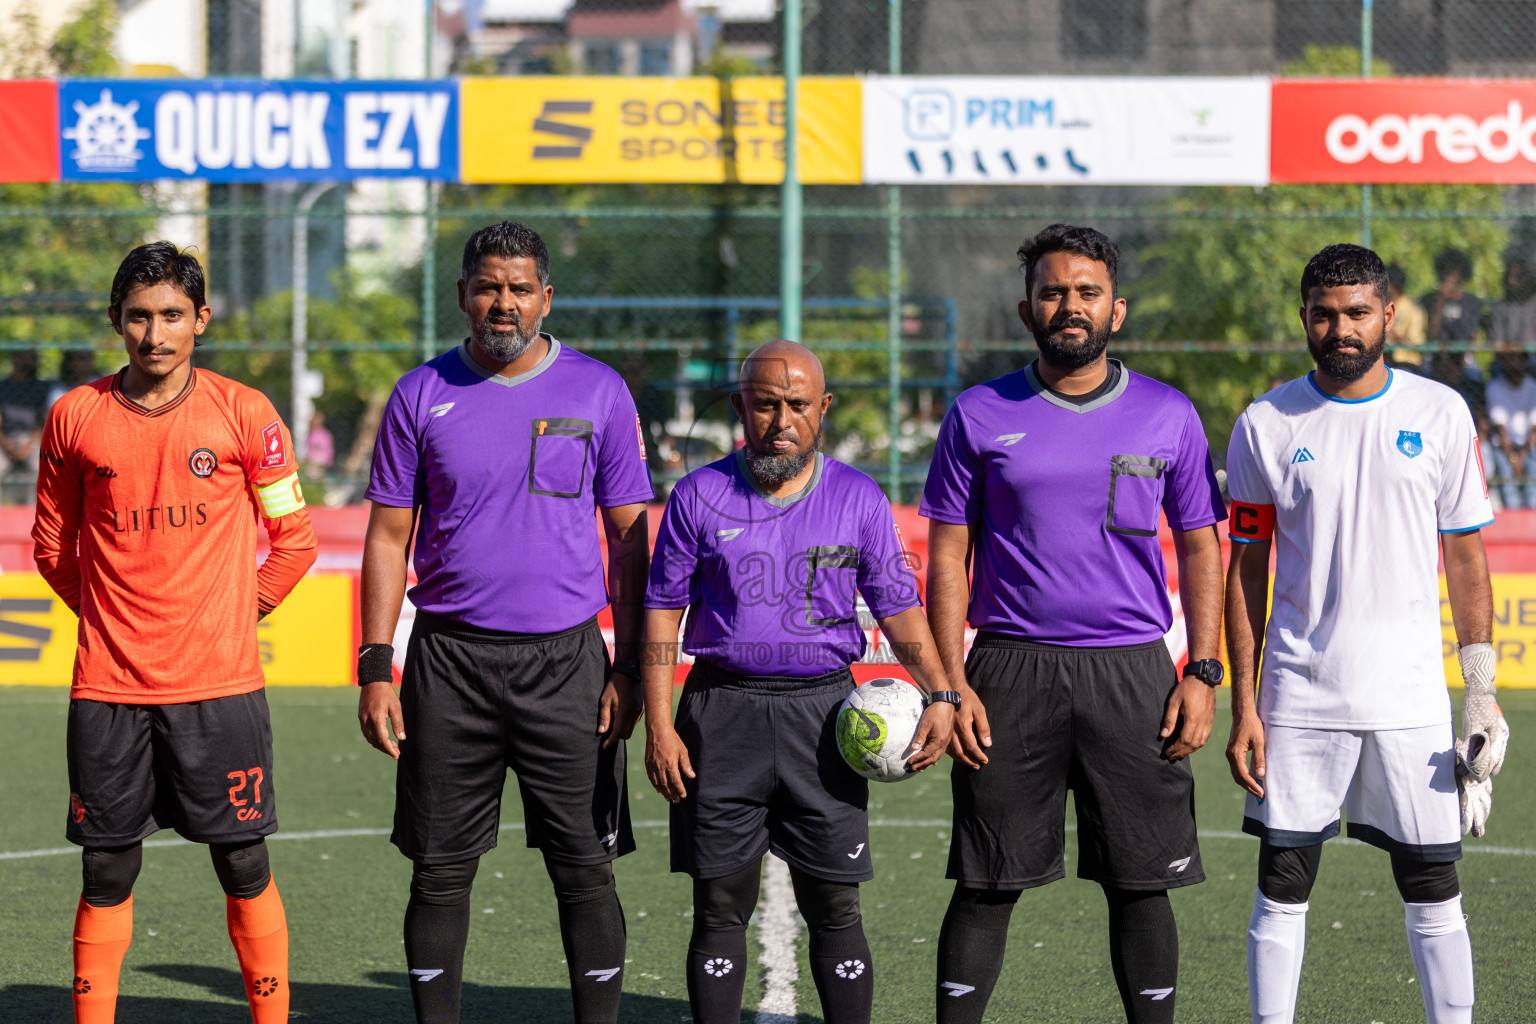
[
  {"x": 1302, "y": 455},
  {"x": 1409, "y": 443}
]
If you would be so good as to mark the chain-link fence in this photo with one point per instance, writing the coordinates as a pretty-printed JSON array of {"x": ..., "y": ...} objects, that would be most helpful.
[{"x": 671, "y": 284}]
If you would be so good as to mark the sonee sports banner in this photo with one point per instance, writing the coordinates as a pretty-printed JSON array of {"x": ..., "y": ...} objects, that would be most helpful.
[{"x": 617, "y": 130}]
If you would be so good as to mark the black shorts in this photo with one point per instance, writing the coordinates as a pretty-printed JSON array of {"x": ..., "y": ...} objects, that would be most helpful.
[
  {"x": 1084, "y": 719},
  {"x": 477, "y": 703},
  {"x": 203, "y": 768},
  {"x": 769, "y": 777}
]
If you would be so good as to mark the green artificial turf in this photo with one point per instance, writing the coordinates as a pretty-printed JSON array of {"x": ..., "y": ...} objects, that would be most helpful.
[{"x": 345, "y": 896}]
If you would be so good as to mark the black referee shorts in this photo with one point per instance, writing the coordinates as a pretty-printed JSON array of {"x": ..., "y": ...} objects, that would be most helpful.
[
  {"x": 1085, "y": 719},
  {"x": 478, "y": 702},
  {"x": 203, "y": 768},
  {"x": 769, "y": 777}
]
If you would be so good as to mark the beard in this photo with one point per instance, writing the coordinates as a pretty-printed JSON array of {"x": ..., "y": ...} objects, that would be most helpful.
[
  {"x": 1065, "y": 355},
  {"x": 506, "y": 345},
  {"x": 774, "y": 468},
  {"x": 1346, "y": 367}
]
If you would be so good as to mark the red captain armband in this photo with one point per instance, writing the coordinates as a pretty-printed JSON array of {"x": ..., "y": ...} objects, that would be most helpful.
[{"x": 1251, "y": 523}]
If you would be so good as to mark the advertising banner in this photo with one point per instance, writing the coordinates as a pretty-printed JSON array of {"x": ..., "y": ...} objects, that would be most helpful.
[
  {"x": 242, "y": 130},
  {"x": 611, "y": 130},
  {"x": 29, "y": 131},
  {"x": 1514, "y": 630},
  {"x": 307, "y": 641},
  {"x": 1440, "y": 130},
  {"x": 1066, "y": 131}
]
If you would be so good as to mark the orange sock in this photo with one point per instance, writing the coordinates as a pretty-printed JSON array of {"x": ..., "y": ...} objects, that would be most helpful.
[
  {"x": 259, "y": 930},
  {"x": 102, "y": 935}
]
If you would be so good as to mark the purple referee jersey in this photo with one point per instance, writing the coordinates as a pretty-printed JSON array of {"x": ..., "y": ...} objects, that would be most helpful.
[
  {"x": 508, "y": 473},
  {"x": 1066, "y": 500},
  {"x": 770, "y": 583}
]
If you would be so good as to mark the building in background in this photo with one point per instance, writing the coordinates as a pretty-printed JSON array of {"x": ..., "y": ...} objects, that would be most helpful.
[{"x": 616, "y": 37}]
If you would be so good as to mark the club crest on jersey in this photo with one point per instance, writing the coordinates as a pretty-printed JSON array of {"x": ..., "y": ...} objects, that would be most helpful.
[
  {"x": 273, "y": 453},
  {"x": 1409, "y": 443},
  {"x": 202, "y": 463}
]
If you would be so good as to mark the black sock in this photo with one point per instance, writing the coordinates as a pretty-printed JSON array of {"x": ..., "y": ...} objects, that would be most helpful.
[
  {"x": 592, "y": 931},
  {"x": 971, "y": 946},
  {"x": 844, "y": 973},
  {"x": 717, "y": 971},
  {"x": 840, "y": 961},
  {"x": 436, "y": 931},
  {"x": 717, "y": 949},
  {"x": 1144, "y": 951}
]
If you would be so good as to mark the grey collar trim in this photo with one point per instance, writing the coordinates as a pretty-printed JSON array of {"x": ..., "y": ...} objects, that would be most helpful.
[
  {"x": 1039, "y": 388},
  {"x": 746, "y": 474},
  {"x": 496, "y": 378}
]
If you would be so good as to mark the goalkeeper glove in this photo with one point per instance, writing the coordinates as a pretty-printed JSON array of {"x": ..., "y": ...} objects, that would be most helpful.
[{"x": 1484, "y": 738}]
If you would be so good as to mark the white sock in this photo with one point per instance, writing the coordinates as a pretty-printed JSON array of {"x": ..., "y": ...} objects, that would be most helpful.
[
  {"x": 1277, "y": 938},
  {"x": 1442, "y": 953}
]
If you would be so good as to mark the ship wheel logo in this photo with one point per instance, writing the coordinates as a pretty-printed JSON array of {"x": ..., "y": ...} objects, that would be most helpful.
[{"x": 106, "y": 135}]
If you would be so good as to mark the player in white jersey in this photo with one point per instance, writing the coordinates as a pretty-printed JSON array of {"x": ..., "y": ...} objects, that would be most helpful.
[{"x": 1349, "y": 473}]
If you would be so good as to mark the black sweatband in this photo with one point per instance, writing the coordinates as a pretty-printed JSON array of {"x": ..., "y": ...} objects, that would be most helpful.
[
  {"x": 375, "y": 664},
  {"x": 628, "y": 667}
]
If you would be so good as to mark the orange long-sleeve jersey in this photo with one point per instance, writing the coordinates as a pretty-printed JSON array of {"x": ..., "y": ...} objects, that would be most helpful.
[{"x": 146, "y": 525}]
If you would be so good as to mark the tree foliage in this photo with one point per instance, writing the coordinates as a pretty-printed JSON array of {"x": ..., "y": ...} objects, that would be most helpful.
[{"x": 55, "y": 268}]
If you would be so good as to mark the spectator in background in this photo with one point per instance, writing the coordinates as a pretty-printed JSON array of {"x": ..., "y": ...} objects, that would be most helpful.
[
  {"x": 322, "y": 447},
  {"x": 79, "y": 367},
  {"x": 1455, "y": 314},
  {"x": 23, "y": 400},
  {"x": 1514, "y": 319},
  {"x": 1409, "y": 324},
  {"x": 1450, "y": 369},
  {"x": 1512, "y": 415}
]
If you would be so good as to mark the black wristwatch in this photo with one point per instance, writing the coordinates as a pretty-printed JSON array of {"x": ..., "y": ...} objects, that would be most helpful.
[
  {"x": 1208, "y": 671},
  {"x": 950, "y": 697},
  {"x": 628, "y": 667}
]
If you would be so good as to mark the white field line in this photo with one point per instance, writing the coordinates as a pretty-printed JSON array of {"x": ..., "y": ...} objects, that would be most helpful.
[
  {"x": 517, "y": 826},
  {"x": 777, "y": 929}
]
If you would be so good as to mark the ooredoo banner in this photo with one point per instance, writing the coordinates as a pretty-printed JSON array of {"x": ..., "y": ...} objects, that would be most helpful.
[
  {"x": 1404, "y": 130},
  {"x": 1066, "y": 131},
  {"x": 241, "y": 130}
]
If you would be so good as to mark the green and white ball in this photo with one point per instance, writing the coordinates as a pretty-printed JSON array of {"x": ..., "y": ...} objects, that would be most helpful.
[{"x": 875, "y": 727}]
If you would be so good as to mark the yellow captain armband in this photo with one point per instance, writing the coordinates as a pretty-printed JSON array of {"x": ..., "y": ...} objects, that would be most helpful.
[{"x": 281, "y": 497}]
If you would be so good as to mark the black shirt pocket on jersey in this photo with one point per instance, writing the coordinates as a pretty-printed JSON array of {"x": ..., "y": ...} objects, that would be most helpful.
[
  {"x": 1135, "y": 494},
  {"x": 558, "y": 456},
  {"x": 828, "y": 592}
]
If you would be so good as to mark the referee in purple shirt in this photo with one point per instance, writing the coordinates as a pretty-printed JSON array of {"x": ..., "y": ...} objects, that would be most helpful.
[
  {"x": 767, "y": 551},
  {"x": 494, "y": 456},
  {"x": 1047, "y": 485}
]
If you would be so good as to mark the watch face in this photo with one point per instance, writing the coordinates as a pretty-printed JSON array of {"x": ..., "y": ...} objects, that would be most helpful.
[{"x": 1209, "y": 671}]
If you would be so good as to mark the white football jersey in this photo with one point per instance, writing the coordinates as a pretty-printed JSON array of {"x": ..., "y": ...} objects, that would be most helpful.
[{"x": 1359, "y": 490}]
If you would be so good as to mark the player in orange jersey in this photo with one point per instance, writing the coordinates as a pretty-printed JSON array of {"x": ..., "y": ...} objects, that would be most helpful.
[{"x": 151, "y": 485}]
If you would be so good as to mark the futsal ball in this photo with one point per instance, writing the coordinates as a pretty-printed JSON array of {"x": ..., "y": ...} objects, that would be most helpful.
[{"x": 875, "y": 727}]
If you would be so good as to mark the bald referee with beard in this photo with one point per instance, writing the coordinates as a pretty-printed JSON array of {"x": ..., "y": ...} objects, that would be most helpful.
[
  {"x": 496, "y": 456},
  {"x": 767, "y": 551}
]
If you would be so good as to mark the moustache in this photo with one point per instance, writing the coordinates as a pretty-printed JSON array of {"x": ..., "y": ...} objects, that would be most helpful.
[
  {"x": 1061, "y": 323},
  {"x": 1333, "y": 344}
]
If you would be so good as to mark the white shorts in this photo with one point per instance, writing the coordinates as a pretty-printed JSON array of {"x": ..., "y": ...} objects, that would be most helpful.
[{"x": 1398, "y": 788}]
